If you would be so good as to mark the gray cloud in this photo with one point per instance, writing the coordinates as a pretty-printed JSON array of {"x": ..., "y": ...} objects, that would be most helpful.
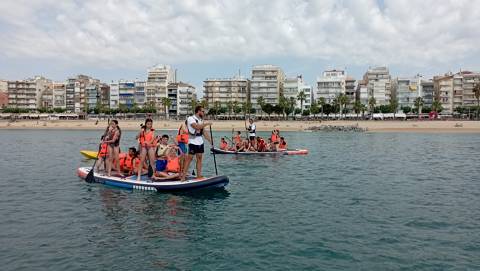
[{"x": 121, "y": 33}]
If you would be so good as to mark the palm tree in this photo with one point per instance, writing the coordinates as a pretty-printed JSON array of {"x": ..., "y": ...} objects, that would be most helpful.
[
  {"x": 476, "y": 91},
  {"x": 394, "y": 106},
  {"x": 166, "y": 102},
  {"x": 357, "y": 106},
  {"x": 342, "y": 102},
  {"x": 419, "y": 105},
  {"x": 230, "y": 108},
  {"x": 301, "y": 97},
  {"x": 371, "y": 103},
  {"x": 261, "y": 103},
  {"x": 437, "y": 106},
  {"x": 321, "y": 102}
]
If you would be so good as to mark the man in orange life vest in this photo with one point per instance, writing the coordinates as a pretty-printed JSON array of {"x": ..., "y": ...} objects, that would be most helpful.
[{"x": 195, "y": 127}]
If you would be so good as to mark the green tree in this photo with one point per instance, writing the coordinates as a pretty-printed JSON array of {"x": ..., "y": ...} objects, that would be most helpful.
[
  {"x": 418, "y": 105},
  {"x": 437, "y": 106},
  {"x": 357, "y": 107},
  {"x": 314, "y": 109},
  {"x": 371, "y": 103},
  {"x": 342, "y": 102},
  {"x": 321, "y": 103},
  {"x": 236, "y": 108},
  {"x": 268, "y": 109},
  {"x": 393, "y": 106},
  {"x": 167, "y": 103},
  {"x": 328, "y": 109},
  {"x": 298, "y": 111},
  {"x": 284, "y": 104},
  {"x": 229, "y": 108},
  {"x": 406, "y": 109},
  {"x": 301, "y": 97}
]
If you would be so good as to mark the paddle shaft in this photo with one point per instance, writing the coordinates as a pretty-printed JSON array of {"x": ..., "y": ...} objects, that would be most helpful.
[
  {"x": 214, "y": 158},
  {"x": 90, "y": 176}
]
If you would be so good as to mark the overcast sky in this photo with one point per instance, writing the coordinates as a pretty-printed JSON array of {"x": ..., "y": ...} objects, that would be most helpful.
[{"x": 116, "y": 39}]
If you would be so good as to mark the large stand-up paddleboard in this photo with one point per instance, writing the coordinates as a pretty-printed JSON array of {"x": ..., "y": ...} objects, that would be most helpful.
[
  {"x": 285, "y": 152},
  {"x": 145, "y": 184}
]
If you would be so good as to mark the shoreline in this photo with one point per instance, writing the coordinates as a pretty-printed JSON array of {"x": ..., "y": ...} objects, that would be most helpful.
[{"x": 422, "y": 126}]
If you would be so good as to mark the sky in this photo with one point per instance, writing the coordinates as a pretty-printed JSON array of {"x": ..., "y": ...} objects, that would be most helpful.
[{"x": 121, "y": 39}]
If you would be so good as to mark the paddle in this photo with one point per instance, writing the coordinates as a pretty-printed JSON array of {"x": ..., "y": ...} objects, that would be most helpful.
[
  {"x": 90, "y": 177},
  {"x": 214, "y": 159},
  {"x": 150, "y": 170}
]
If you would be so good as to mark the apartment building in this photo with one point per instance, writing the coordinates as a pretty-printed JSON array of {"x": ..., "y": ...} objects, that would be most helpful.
[
  {"x": 3, "y": 93},
  {"x": 469, "y": 80},
  {"x": 224, "y": 90},
  {"x": 361, "y": 93},
  {"x": 126, "y": 93},
  {"x": 443, "y": 86},
  {"x": 428, "y": 93},
  {"x": 75, "y": 92},
  {"x": 407, "y": 90},
  {"x": 293, "y": 86},
  {"x": 26, "y": 94},
  {"x": 267, "y": 82},
  {"x": 114, "y": 95},
  {"x": 59, "y": 95},
  {"x": 181, "y": 95},
  {"x": 331, "y": 84},
  {"x": 378, "y": 82},
  {"x": 157, "y": 82},
  {"x": 350, "y": 88}
]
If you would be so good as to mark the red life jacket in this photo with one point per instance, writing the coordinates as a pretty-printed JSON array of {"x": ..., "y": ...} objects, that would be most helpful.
[
  {"x": 147, "y": 137},
  {"x": 173, "y": 165},
  {"x": 103, "y": 150}
]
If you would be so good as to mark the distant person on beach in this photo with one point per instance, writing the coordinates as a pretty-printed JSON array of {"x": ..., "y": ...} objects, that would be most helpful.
[
  {"x": 196, "y": 126},
  {"x": 112, "y": 139},
  {"x": 146, "y": 138}
]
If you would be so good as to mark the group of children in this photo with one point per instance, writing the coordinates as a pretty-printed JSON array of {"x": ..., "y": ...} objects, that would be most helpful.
[
  {"x": 167, "y": 162},
  {"x": 274, "y": 143}
]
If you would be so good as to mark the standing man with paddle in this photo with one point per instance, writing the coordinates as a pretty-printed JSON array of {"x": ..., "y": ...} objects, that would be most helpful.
[
  {"x": 195, "y": 127},
  {"x": 251, "y": 132}
]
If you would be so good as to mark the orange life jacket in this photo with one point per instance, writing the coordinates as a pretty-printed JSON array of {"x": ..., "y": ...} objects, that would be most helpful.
[
  {"x": 127, "y": 163},
  {"x": 182, "y": 137},
  {"x": 274, "y": 138},
  {"x": 103, "y": 150},
  {"x": 282, "y": 145},
  {"x": 147, "y": 137},
  {"x": 173, "y": 165}
]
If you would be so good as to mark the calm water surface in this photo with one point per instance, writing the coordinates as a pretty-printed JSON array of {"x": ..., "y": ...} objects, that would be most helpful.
[{"x": 381, "y": 201}]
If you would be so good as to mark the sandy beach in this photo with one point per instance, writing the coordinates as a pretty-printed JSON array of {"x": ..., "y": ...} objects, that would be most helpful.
[{"x": 372, "y": 126}]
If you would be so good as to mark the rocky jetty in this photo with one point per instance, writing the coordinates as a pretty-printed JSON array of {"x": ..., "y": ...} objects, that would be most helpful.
[{"x": 337, "y": 128}]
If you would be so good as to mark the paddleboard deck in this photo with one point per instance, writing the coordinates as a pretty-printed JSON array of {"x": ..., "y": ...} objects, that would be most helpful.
[{"x": 131, "y": 182}]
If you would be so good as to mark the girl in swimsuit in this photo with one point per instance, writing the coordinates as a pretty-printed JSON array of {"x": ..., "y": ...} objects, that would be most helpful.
[
  {"x": 146, "y": 137},
  {"x": 112, "y": 139}
]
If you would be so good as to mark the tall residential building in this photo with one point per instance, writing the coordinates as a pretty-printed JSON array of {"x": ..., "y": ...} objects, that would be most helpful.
[
  {"x": 59, "y": 95},
  {"x": 331, "y": 84},
  {"x": 92, "y": 93},
  {"x": 267, "y": 82},
  {"x": 443, "y": 86},
  {"x": 362, "y": 92},
  {"x": 157, "y": 81},
  {"x": 406, "y": 90},
  {"x": 378, "y": 82},
  {"x": 26, "y": 94},
  {"x": 46, "y": 98},
  {"x": 76, "y": 98},
  {"x": 224, "y": 90},
  {"x": 105, "y": 95},
  {"x": 470, "y": 79},
  {"x": 293, "y": 86},
  {"x": 3, "y": 86},
  {"x": 114, "y": 95},
  {"x": 181, "y": 95},
  {"x": 350, "y": 88},
  {"x": 139, "y": 94},
  {"x": 428, "y": 94},
  {"x": 126, "y": 93}
]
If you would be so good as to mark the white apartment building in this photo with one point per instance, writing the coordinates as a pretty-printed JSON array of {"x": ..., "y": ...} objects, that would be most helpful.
[
  {"x": 293, "y": 86},
  {"x": 59, "y": 95},
  {"x": 266, "y": 82},
  {"x": 114, "y": 95},
  {"x": 378, "y": 82},
  {"x": 76, "y": 98},
  {"x": 139, "y": 94},
  {"x": 469, "y": 80},
  {"x": 157, "y": 81},
  {"x": 443, "y": 86},
  {"x": 181, "y": 95},
  {"x": 3, "y": 86},
  {"x": 331, "y": 84},
  {"x": 428, "y": 93},
  {"x": 407, "y": 90},
  {"x": 362, "y": 92},
  {"x": 126, "y": 93},
  {"x": 224, "y": 90},
  {"x": 26, "y": 94}
]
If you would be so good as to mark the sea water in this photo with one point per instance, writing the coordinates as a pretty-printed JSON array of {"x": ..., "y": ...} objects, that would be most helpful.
[{"x": 357, "y": 201}]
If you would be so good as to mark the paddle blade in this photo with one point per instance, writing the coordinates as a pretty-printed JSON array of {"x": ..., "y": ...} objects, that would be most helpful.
[
  {"x": 90, "y": 178},
  {"x": 150, "y": 171}
]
